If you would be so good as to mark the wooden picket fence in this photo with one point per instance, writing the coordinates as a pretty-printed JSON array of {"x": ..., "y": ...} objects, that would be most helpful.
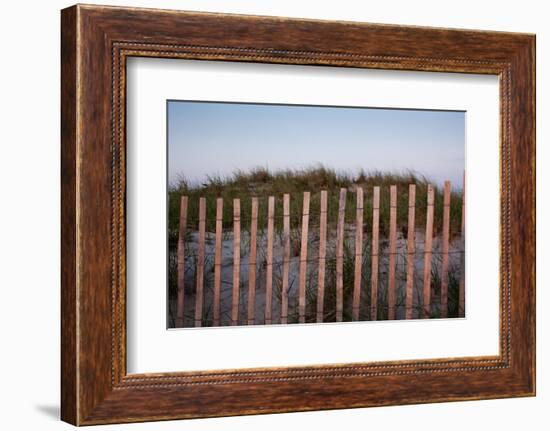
[{"x": 322, "y": 257}]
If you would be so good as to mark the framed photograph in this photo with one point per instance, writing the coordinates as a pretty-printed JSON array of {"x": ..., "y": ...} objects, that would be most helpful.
[{"x": 264, "y": 215}]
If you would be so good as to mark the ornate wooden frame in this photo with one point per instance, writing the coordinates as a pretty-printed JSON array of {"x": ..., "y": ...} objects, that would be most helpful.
[{"x": 95, "y": 42}]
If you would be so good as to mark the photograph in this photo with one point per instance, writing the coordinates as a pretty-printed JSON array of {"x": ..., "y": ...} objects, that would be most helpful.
[{"x": 284, "y": 214}]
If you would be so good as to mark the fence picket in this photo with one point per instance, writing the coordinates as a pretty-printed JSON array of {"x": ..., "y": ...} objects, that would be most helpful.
[
  {"x": 393, "y": 252},
  {"x": 218, "y": 261},
  {"x": 199, "y": 296},
  {"x": 303, "y": 259},
  {"x": 181, "y": 262},
  {"x": 340, "y": 256},
  {"x": 322, "y": 257},
  {"x": 286, "y": 258},
  {"x": 445, "y": 249},
  {"x": 236, "y": 261},
  {"x": 428, "y": 254},
  {"x": 269, "y": 260},
  {"x": 252, "y": 262},
  {"x": 410, "y": 252},
  {"x": 374, "y": 253},
  {"x": 461, "y": 303},
  {"x": 358, "y": 254}
]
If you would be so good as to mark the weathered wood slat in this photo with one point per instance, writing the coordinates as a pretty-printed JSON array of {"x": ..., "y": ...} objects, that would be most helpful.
[
  {"x": 340, "y": 256},
  {"x": 358, "y": 254},
  {"x": 461, "y": 298},
  {"x": 269, "y": 260},
  {"x": 252, "y": 262},
  {"x": 393, "y": 252},
  {"x": 199, "y": 296},
  {"x": 410, "y": 252},
  {"x": 374, "y": 253},
  {"x": 218, "y": 261},
  {"x": 236, "y": 261},
  {"x": 303, "y": 259},
  {"x": 286, "y": 258},
  {"x": 322, "y": 257},
  {"x": 181, "y": 262},
  {"x": 428, "y": 254},
  {"x": 445, "y": 249}
]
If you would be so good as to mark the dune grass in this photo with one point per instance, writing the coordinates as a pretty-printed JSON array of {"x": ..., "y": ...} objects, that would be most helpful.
[{"x": 261, "y": 182}]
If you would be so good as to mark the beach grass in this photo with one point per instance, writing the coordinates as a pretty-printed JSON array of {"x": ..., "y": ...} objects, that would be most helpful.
[{"x": 262, "y": 183}]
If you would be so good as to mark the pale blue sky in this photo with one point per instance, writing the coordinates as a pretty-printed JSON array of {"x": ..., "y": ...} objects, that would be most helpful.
[{"x": 207, "y": 138}]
